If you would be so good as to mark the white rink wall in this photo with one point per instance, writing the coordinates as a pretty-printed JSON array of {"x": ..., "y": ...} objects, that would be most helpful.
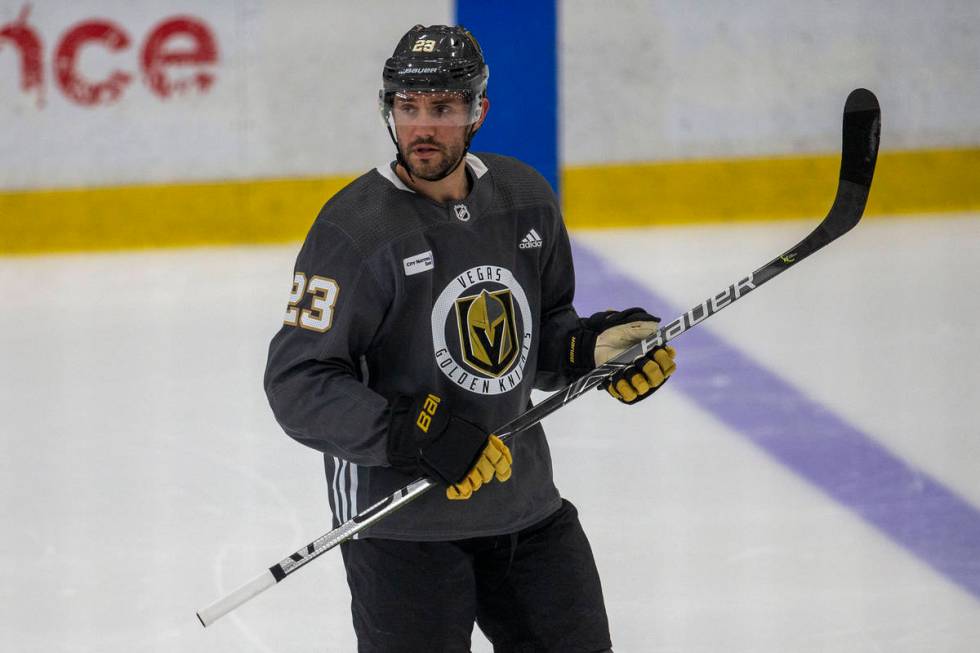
[
  {"x": 647, "y": 80},
  {"x": 294, "y": 94},
  {"x": 294, "y": 85}
]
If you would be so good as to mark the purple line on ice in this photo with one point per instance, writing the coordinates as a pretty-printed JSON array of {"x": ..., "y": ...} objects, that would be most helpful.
[{"x": 908, "y": 506}]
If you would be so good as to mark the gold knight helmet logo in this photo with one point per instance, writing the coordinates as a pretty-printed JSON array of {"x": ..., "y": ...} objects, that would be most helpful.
[{"x": 488, "y": 331}]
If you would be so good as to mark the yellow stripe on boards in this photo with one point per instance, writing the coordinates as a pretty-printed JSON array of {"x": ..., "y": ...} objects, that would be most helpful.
[
  {"x": 177, "y": 215},
  {"x": 737, "y": 190},
  {"x": 621, "y": 195}
]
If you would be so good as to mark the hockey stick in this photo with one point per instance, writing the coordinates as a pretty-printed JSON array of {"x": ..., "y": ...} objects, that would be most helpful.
[{"x": 862, "y": 120}]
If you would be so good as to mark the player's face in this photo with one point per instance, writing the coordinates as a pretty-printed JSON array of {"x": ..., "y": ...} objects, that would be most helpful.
[{"x": 431, "y": 130}]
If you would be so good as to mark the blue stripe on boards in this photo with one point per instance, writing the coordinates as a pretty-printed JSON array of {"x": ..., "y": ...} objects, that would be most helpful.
[
  {"x": 520, "y": 46},
  {"x": 908, "y": 506}
]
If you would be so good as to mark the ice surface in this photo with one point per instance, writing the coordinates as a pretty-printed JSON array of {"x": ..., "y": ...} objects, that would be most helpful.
[{"x": 143, "y": 475}]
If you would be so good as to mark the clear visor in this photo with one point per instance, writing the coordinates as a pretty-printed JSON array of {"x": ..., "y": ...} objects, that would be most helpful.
[{"x": 429, "y": 108}]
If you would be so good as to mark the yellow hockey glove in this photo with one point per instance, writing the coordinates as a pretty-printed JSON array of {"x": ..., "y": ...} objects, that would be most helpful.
[
  {"x": 643, "y": 377},
  {"x": 494, "y": 462}
]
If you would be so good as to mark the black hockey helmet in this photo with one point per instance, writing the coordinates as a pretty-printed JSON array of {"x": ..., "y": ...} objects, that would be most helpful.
[{"x": 435, "y": 58}]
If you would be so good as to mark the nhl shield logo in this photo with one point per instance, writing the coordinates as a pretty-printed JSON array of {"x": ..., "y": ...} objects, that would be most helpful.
[
  {"x": 488, "y": 331},
  {"x": 462, "y": 213}
]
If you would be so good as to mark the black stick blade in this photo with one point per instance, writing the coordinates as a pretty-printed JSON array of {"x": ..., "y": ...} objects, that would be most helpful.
[{"x": 862, "y": 131}]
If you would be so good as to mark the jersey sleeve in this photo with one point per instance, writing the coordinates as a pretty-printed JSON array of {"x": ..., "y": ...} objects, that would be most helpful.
[
  {"x": 558, "y": 316},
  {"x": 313, "y": 376}
]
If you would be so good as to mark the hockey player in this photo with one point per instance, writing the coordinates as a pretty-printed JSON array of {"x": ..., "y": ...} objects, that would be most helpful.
[{"x": 430, "y": 296}]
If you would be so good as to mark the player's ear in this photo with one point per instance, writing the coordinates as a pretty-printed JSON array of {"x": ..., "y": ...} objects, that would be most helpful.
[
  {"x": 484, "y": 107},
  {"x": 475, "y": 127}
]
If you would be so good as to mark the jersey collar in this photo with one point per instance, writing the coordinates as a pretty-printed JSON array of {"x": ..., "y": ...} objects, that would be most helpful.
[{"x": 473, "y": 162}]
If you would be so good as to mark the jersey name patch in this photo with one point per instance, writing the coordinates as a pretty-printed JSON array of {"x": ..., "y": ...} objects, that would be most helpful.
[
  {"x": 481, "y": 330},
  {"x": 418, "y": 263}
]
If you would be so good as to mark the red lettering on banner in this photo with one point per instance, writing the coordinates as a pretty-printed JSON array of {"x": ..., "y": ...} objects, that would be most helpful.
[
  {"x": 74, "y": 85},
  {"x": 176, "y": 42},
  {"x": 28, "y": 42},
  {"x": 157, "y": 56}
]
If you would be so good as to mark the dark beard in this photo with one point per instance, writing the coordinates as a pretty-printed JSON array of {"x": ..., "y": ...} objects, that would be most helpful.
[{"x": 450, "y": 160}]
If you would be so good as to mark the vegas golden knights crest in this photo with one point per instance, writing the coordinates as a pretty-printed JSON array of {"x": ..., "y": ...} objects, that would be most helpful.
[
  {"x": 482, "y": 330},
  {"x": 488, "y": 331}
]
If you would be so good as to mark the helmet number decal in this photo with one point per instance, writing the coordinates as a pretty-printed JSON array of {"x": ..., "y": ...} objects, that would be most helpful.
[
  {"x": 424, "y": 45},
  {"x": 319, "y": 317}
]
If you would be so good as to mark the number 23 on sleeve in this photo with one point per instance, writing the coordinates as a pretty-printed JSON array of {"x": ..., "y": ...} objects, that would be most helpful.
[{"x": 319, "y": 316}]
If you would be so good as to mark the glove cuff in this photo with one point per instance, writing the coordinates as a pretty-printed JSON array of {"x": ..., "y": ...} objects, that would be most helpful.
[
  {"x": 402, "y": 445},
  {"x": 580, "y": 357}
]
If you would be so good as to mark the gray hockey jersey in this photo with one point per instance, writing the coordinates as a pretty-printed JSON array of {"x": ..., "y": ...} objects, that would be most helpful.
[{"x": 394, "y": 293}]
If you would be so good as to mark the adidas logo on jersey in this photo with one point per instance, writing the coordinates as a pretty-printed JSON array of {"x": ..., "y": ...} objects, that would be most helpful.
[{"x": 531, "y": 240}]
